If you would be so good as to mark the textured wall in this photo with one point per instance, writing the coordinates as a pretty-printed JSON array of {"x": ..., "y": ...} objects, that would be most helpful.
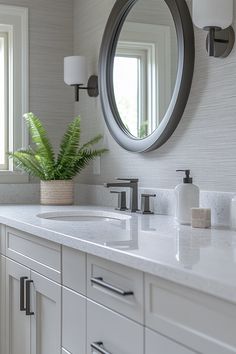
[
  {"x": 205, "y": 140},
  {"x": 51, "y": 38}
]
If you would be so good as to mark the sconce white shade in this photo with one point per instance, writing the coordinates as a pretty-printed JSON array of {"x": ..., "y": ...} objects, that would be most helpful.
[
  {"x": 213, "y": 13},
  {"x": 75, "y": 70}
]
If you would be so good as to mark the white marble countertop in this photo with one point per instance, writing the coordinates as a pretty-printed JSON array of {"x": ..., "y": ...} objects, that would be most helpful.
[{"x": 201, "y": 259}]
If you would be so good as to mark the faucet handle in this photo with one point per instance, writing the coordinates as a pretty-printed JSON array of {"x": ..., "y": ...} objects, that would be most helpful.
[
  {"x": 145, "y": 203},
  {"x": 121, "y": 200},
  {"x": 134, "y": 180}
]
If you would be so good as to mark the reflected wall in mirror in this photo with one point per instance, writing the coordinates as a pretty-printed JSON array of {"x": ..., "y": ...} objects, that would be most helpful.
[
  {"x": 145, "y": 70},
  {"x": 145, "y": 67}
]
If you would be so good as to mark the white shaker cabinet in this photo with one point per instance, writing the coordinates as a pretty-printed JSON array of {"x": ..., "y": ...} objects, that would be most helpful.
[
  {"x": 46, "y": 317},
  {"x": 157, "y": 344},
  {"x": 48, "y": 307},
  {"x": 33, "y": 312},
  {"x": 190, "y": 317},
  {"x": 17, "y": 323}
]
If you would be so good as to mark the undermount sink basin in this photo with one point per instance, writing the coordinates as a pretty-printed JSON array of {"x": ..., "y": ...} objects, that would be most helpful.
[{"x": 83, "y": 215}]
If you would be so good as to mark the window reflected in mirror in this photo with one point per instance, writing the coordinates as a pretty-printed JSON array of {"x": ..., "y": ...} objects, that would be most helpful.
[
  {"x": 128, "y": 83},
  {"x": 145, "y": 67}
]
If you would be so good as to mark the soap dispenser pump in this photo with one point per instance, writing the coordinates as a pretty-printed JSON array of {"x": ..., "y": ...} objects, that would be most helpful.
[{"x": 187, "y": 197}]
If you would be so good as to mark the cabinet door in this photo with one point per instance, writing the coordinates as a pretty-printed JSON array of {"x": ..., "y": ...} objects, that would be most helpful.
[
  {"x": 157, "y": 344},
  {"x": 45, "y": 306},
  {"x": 17, "y": 323},
  {"x": 2, "y": 304},
  {"x": 73, "y": 322},
  {"x": 110, "y": 333}
]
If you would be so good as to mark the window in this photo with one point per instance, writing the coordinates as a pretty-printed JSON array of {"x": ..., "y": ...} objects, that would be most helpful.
[
  {"x": 3, "y": 99},
  {"x": 144, "y": 76},
  {"x": 13, "y": 87},
  {"x": 127, "y": 91},
  {"x": 135, "y": 86}
]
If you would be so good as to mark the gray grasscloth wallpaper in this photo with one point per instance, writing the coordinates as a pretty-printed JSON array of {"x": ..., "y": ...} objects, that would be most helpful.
[
  {"x": 205, "y": 140},
  {"x": 50, "y": 39}
]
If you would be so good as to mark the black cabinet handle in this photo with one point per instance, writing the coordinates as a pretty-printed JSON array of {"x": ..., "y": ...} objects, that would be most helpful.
[
  {"x": 22, "y": 293},
  {"x": 98, "y": 347},
  {"x": 28, "y": 312},
  {"x": 99, "y": 281}
]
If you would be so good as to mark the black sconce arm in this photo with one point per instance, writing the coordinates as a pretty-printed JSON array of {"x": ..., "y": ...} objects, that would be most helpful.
[{"x": 92, "y": 88}]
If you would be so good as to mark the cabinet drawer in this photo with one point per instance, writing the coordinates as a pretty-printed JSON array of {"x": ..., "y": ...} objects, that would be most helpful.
[
  {"x": 157, "y": 344},
  {"x": 73, "y": 322},
  {"x": 197, "y": 320},
  {"x": 74, "y": 269},
  {"x": 40, "y": 255},
  {"x": 113, "y": 332},
  {"x": 118, "y": 287}
]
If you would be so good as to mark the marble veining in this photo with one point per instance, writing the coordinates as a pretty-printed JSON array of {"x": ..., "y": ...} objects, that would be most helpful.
[{"x": 201, "y": 259}]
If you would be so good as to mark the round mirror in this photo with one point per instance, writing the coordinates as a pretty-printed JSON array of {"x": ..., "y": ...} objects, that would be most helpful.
[{"x": 146, "y": 69}]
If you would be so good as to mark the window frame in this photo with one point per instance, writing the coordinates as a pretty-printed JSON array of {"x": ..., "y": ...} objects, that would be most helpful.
[
  {"x": 14, "y": 22},
  {"x": 149, "y": 100},
  {"x": 141, "y": 66},
  {"x": 4, "y": 39}
]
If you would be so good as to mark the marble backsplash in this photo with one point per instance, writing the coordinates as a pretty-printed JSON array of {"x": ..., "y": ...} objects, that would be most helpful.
[{"x": 163, "y": 204}]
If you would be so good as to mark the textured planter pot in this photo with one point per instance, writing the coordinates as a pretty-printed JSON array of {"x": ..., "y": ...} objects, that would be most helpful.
[{"x": 57, "y": 192}]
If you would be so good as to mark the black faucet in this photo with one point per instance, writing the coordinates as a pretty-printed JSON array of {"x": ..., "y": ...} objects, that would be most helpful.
[{"x": 131, "y": 183}]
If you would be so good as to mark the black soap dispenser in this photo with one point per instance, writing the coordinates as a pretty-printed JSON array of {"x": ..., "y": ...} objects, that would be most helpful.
[{"x": 187, "y": 197}]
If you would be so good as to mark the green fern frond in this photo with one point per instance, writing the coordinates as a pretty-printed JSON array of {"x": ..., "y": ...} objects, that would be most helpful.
[
  {"x": 39, "y": 137},
  {"x": 40, "y": 161},
  {"x": 86, "y": 157},
  {"x": 93, "y": 153},
  {"x": 93, "y": 141},
  {"x": 69, "y": 144},
  {"x": 26, "y": 161}
]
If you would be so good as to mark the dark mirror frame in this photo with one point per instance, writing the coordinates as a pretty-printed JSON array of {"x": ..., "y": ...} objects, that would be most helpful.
[{"x": 186, "y": 57}]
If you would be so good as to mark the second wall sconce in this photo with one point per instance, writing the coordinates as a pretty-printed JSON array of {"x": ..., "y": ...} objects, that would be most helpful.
[
  {"x": 75, "y": 74},
  {"x": 216, "y": 17}
]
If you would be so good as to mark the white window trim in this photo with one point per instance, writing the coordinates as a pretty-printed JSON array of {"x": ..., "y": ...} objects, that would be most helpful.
[
  {"x": 4, "y": 39},
  {"x": 160, "y": 37},
  {"x": 14, "y": 21},
  {"x": 148, "y": 90}
]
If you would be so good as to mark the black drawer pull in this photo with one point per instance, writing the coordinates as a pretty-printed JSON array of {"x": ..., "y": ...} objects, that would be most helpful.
[
  {"x": 28, "y": 312},
  {"x": 99, "y": 281},
  {"x": 22, "y": 293},
  {"x": 98, "y": 347}
]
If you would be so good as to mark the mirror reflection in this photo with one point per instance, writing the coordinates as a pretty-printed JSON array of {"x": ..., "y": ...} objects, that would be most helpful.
[{"x": 145, "y": 67}]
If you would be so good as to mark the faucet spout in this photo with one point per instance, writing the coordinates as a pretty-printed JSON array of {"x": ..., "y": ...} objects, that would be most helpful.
[
  {"x": 131, "y": 183},
  {"x": 117, "y": 184}
]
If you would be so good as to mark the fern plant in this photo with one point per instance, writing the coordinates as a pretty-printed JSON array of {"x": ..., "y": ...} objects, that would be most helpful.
[{"x": 39, "y": 160}]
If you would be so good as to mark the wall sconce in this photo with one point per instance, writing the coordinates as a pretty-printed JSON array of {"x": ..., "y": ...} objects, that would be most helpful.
[
  {"x": 75, "y": 74},
  {"x": 216, "y": 17}
]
